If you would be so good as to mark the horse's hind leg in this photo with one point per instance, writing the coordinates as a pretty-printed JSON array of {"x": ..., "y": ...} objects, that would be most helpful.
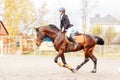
[
  {"x": 85, "y": 60},
  {"x": 94, "y": 59},
  {"x": 88, "y": 54}
]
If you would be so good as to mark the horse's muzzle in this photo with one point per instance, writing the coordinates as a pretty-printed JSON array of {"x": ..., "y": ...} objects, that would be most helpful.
[{"x": 38, "y": 43}]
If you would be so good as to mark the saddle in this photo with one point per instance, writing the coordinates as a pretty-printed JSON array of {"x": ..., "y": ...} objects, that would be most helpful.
[{"x": 79, "y": 38}]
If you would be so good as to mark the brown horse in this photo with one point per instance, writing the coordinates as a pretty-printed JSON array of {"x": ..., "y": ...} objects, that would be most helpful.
[{"x": 61, "y": 45}]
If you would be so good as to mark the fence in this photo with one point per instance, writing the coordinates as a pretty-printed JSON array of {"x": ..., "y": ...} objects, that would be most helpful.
[
  {"x": 19, "y": 44},
  {"x": 15, "y": 44}
]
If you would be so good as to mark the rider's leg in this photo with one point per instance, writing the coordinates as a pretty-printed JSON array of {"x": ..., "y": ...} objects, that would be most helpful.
[
  {"x": 68, "y": 34},
  {"x": 72, "y": 40}
]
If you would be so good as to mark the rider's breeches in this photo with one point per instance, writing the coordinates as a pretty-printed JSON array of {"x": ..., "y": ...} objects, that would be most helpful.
[{"x": 71, "y": 31}]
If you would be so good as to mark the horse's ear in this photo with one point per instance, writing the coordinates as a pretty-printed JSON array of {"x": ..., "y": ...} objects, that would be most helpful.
[{"x": 37, "y": 30}]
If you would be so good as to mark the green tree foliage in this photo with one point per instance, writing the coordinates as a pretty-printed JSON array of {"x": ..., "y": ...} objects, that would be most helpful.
[
  {"x": 109, "y": 34},
  {"x": 17, "y": 12},
  {"x": 97, "y": 30}
]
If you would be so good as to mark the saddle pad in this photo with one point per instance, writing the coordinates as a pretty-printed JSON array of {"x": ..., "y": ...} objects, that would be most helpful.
[{"x": 79, "y": 39}]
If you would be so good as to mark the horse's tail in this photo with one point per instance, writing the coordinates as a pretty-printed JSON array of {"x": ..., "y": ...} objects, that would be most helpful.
[{"x": 99, "y": 40}]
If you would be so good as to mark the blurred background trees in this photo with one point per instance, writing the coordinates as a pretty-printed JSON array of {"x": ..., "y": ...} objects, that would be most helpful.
[
  {"x": 96, "y": 30},
  {"x": 41, "y": 14},
  {"x": 20, "y": 16},
  {"x": 17, "y": 13},
  {"x": 110, "y": 35},
  {"x": 86, "y": 10}
]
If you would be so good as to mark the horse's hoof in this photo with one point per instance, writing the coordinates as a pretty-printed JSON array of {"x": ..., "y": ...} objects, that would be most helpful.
[
  {"x": 93, "y": 71},
  {"x": 74, "y": 70}
]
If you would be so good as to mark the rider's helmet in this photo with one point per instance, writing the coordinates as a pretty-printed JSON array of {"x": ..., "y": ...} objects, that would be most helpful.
[{"x": 62, "y": 9}]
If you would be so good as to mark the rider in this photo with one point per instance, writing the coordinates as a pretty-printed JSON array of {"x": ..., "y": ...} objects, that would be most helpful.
[{"x": 66, "y": 26}]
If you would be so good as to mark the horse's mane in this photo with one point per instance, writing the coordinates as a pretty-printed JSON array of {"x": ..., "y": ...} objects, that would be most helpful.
[{"x": 53, "y": 26}]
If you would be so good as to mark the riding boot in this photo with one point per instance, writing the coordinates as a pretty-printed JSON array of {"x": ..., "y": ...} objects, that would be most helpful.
[{"x": 72, "y": 40}]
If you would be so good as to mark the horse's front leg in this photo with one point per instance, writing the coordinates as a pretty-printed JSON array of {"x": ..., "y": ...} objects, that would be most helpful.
[
  {"x": 56, "y": 59},
  {"x": 63, "y": 59},
  {"x": 64, "y": 64}
]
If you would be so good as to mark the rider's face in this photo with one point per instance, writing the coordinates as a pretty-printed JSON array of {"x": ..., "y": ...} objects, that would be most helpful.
[{"x": 60, "y": 12}]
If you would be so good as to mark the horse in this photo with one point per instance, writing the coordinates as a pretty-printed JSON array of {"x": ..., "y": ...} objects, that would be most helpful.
[{"x": 61, "y": 45}]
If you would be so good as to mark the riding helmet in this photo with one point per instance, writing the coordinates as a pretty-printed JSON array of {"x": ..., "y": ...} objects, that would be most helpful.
[{"x": 62, "y": 9}]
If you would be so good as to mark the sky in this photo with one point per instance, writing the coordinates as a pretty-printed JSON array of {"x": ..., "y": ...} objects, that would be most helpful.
[{"x": 73, "y": 9}]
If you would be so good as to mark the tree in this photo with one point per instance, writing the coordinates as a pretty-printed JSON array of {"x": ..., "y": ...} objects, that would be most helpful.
[
  {"x": 84, "y": 14},
  {"x": 109, "y": 34},
  {"x": 41, "y": 14},
  {"x": 97, "y": 30},
  {"x": 1, "y": 8},
  {"x": 17, "y": 12},
  {"x": 86, "y": 9}
]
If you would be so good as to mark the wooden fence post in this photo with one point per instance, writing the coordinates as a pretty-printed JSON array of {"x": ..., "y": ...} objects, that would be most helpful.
[
  {"x": 21, "y": 44},
  {"x": 1, "y": 45}
]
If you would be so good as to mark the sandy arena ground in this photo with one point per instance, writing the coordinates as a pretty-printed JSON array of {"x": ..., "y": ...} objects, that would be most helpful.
[{"x": 18, "y": 67}]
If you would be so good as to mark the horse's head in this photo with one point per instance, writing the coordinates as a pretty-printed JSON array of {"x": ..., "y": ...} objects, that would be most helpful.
[
  {"x": 39, "y": 37},
  {"x": 48, "y": 30}
]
